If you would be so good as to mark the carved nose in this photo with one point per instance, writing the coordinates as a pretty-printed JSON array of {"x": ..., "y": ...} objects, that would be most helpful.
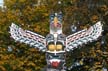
[
  {"x": 55, "y": 21},
  {"x": 55, "y": 64}
]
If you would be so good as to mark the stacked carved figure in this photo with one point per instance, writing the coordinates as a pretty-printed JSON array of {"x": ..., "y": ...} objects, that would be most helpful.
[{"x": 56, "y": 44}]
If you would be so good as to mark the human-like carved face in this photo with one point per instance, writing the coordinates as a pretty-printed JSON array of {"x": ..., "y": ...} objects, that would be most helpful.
[{"x": 56, "y": 60}]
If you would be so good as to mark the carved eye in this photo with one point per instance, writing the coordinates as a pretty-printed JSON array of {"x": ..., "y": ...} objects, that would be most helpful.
[
  {"x": 50, "y": 37},
  {"x": 59, "y": 47},
  {"x": 51, "y": 47},
  {"x": 61, "y": 37},
  {"x": 51, "y": 17}
]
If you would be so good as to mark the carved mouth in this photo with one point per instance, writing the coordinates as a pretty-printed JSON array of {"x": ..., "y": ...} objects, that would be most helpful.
[{"x": 55, "y": 63}]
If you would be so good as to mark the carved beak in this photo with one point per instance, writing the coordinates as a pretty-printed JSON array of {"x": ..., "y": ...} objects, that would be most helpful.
[{"x": 55, "y": 21}]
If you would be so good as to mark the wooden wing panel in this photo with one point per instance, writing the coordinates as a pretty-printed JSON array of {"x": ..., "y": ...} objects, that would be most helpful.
[
  {"x": 84, "y": 36},
  {"x": 28, "y": 37}
]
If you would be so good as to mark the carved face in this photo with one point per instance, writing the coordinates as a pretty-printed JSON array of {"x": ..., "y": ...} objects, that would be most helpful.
[
  {"x": 55, "y": 55},
  {"x": 55, "y": 23},
  {"x": 55, "y": 60},
  {"x": 55, "y": 44}
]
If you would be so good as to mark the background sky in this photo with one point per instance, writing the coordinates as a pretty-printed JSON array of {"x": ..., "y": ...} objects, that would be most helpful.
[{"x": 1, "y": 2}]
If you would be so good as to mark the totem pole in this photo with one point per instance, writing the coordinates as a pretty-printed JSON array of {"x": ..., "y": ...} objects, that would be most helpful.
[{"x": 56, "y": 44}]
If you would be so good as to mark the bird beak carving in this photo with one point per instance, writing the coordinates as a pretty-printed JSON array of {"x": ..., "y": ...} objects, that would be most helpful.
[{"x": 55, "y": 21}]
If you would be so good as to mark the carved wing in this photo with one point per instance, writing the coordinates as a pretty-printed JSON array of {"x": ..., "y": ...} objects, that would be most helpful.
[
  {"x": 28, "y": 37},
  {"x": 84, "y": 36}
]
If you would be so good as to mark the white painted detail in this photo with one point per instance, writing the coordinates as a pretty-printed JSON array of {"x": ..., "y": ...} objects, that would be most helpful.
[{"x": 84, "y": 36}]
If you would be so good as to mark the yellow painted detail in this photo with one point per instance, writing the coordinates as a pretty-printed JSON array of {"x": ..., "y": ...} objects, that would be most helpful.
[
  {"x": 53, "y": 47},
  {"x": 55, "y": 21}
]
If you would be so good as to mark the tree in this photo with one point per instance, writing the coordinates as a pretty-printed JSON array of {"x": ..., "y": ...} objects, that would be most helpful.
[{"x": 34, "y": 15}]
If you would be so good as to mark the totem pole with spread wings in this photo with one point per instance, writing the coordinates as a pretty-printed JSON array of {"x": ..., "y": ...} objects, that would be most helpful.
[{"x": 56, "y": 44}]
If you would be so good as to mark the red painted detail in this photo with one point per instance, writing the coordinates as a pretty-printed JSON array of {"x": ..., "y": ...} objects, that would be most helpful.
[{"x": 55, "y": 64}]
